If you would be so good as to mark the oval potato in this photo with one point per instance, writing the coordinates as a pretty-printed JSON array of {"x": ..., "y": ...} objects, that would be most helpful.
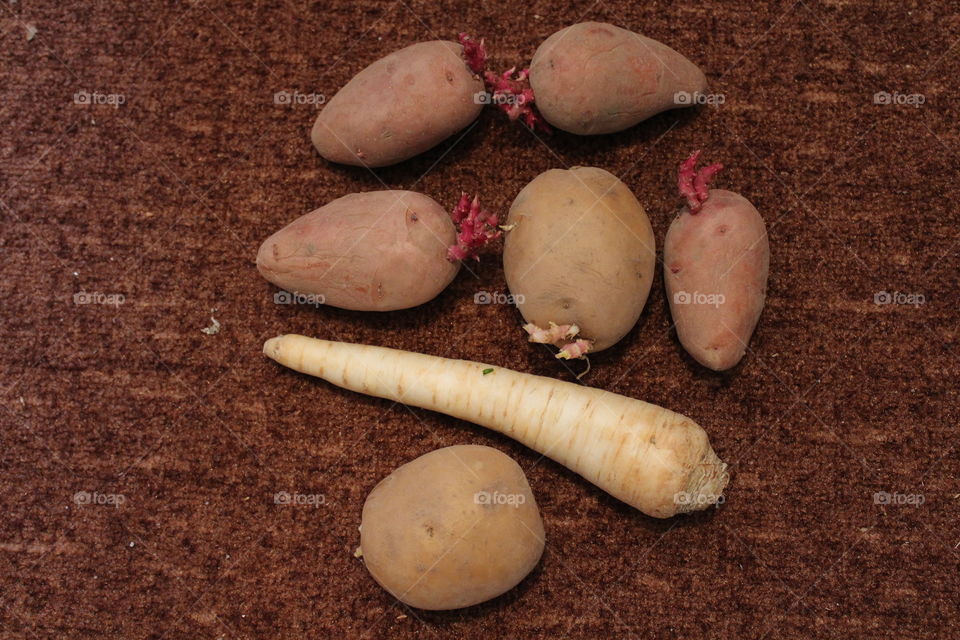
[
  {"x": 582, "y": 252},
  {"x": 399, "y": 106},
  {"x": 453, "y": 528},
  {"x": 593, "y": 78},
  {"x": 716, "y": 267},
  {"x": 373, "y": 251}
]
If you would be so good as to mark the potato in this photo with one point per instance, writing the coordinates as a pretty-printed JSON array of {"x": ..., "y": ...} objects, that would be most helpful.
[
  {"x": 582, "y": 252},
  {"x": 453, "y": 528},
  {"x": 593, "y": 78},
  {"x": 716, "y": 265},
  {"x": 373, "y": 251},
  {"x": 399, "y": 106}
]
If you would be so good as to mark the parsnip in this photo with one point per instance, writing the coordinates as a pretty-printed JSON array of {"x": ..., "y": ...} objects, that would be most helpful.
[{"x": 651, "y": 458}]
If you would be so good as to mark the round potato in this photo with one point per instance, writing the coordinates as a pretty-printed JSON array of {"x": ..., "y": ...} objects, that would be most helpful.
[
  {"x": 593, "y": 78},
  {"x": 453, "y": 528},
  {"x": 373, "y": 251},
  {"x": 581, "y": 252},
  {"x": 399, "y": 106}
]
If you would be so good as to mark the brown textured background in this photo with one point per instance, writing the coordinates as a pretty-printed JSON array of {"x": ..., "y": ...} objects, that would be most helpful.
[{"x": 166, "y": 198}]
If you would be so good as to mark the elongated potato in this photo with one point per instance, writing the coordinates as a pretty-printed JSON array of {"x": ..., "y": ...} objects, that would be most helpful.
[
  {"x": 399, "y": 106},
  {"x": 373, "y": 251},
  {"x": 593, "y": 78},
  {"x": 453, "y": 528},
  {"x": 716, "y": 265},
  {"x": 582, "y": 252}
]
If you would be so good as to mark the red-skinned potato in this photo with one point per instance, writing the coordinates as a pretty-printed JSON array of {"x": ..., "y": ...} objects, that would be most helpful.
[
  {"x": 373, "y": 251},
  {"x": 580, "y": 254},
  {"x": 399, "y": 106},
  {"x": 717, "y": 258},
  {"x": 594, "y": 78}
]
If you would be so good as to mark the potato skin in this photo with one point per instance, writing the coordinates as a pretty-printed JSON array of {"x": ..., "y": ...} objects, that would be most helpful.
[
  {"x": 399, "y": 106},
  {"x": 373, "y": 251},
  {"x": 582, "y": 252},
  {"x": 723, "y": 250},
  {"x": 593, "y": 78},
  {"x": 434, "y": 534}
]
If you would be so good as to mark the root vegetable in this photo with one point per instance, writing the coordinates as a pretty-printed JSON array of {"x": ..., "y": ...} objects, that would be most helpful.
[
  {"x": 376, "y": 251},
  {"x": 580, "y": 254},
  {"x": 649, "y": 457},
  {"x": 593, "y": 78},
  {"x": 402, "y": 105},
  {"x": 453, "y": 528},
  {"x": 717, "y": 258}
]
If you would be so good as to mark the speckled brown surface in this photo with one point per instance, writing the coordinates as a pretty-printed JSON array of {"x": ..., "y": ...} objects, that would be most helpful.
[{"x": 165, "y": 199}]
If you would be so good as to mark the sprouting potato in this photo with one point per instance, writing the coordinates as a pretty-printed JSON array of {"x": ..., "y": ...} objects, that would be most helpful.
[{"x": 580, "y": 252}]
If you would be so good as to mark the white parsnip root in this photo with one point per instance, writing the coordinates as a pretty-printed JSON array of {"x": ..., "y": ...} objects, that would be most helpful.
[{"x": 651, "y": 458}]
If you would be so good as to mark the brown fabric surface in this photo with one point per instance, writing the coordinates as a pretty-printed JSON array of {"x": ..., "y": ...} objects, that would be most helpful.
[{"x": 166, "y": 198}]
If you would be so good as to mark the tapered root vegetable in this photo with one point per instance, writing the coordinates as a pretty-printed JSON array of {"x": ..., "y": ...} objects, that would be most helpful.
[{"x": 651, "y": 458}]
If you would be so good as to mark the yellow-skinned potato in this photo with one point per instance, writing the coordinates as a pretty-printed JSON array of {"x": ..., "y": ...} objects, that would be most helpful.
[
  {"x": 581, "y": 252},
  {"x": 453, "y": 528},
  {"x": 593, "y": 78},
  {"x": 399, "y": 106},
  {"x": 373, "y": 251}
]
